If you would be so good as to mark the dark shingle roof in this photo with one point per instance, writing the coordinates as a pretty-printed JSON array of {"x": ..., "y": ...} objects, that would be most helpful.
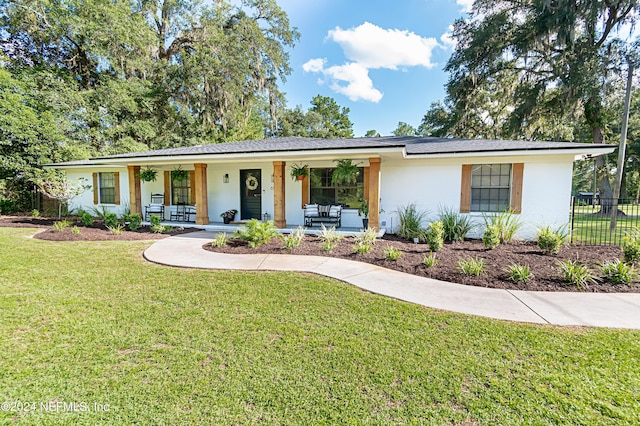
[{"x": 411, "y": 145}]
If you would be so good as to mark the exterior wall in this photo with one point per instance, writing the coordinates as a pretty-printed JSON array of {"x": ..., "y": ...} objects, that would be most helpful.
[
  {"x": 435, "y": 183},
  {"x": 85, "y": 200}
]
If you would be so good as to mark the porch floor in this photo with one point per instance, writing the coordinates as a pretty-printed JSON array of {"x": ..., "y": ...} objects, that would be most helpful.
[{"x": 222, "y": 227}]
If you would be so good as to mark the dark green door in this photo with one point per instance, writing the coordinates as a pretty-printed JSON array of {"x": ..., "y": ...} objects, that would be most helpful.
[{"x": 250, "y": 194}]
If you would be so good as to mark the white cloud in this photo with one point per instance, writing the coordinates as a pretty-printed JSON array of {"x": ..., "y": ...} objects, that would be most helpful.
[
  {"x": 376, "y": 47},
  {"x": 467, "y": 5},
  {"x": 447, "y": 38},
  {"x": 371, "y": 47}
]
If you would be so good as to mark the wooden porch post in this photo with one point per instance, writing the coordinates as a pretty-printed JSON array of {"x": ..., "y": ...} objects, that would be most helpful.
[
  {"x": 202, "y": 201},
  {"x": 279, "y": 208},
  {"x": 373, "y": 184},
  {"x": 135, "y": 197}
]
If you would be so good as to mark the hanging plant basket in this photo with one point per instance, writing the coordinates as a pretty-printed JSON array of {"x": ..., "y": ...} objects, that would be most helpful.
[
  {"x": 148, "y": 174},
  {"x": 345, "y": 172},
  {"x": 299, "y": 172},
  {"x": 178, "y": 175}
]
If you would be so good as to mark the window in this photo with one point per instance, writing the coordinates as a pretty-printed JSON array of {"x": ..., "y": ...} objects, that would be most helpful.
[
  {"x": 321, "y": 190},
  {"x": 107, "y": 187},
  {"x": 181, "y": 191},
  {"x": 490, "y": 187}
]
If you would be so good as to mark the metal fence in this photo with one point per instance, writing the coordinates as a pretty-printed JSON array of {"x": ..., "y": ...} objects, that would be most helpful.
[{"x": 591, "y": 222}]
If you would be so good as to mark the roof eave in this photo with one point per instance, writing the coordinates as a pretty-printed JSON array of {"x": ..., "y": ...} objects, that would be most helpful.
[{"x": 578, "y": 153}]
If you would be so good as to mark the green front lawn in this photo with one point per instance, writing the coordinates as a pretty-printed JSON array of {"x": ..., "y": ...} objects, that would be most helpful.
[{"x": 93, "y": 323}]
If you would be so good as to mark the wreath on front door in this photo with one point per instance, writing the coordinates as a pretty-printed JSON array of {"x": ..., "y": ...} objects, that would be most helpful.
[{"x": 252, "y": 183}]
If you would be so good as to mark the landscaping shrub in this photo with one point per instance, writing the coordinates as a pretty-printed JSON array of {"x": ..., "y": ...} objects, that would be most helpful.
[
  {"x": 456, "y": 225},
  {"x": 575, "y": 273},
  {"x": 550, "y": 241},
  {"x": 257, "y": 233},
  {"x": 294, "y": 239},
  {"x": 85, "y": 218},
  {"x": 506, "y": 223},
  {"x": 491, "y": 237},
  {"x": 60, "y": 225},
  {"x": 111, "y": 220},
  {"x": 116, "y": 229},
  {"x": 410, "y": 218},
  {"x": 631, "y": 246},
  {"x": 519, "y": 273},
  {"x": 220, "y": 240},
  {"x": 75, "y": 230},
  {"x": 35, "y": 213},
  {"x": 154, "y": 219},
  {"x": 329, "y": 238},
  {"x": 434, "y": 236},
  {"x": 365, "y": 241},
  {"x": 135, "y": 221},
  {"x": 429, "y": 260},
  {"x": 471, "y": 266},
  {"x": 619, "y": 272},
  {"x": 392, "y": 253}
]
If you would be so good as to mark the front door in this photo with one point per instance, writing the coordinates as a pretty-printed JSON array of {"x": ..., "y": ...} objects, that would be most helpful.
[{"x": 250, "y": 194}]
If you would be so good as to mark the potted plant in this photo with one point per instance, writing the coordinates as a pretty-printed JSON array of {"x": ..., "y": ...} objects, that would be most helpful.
[
  {"x": 178, "y": 175},
  {"x": 363, "y": 211},
  {"x": 299, "y": 172},
  {"x": 148, "y": 174},
  {"x": 345, "y": 172},
  {"x": 228, "y": 216}
]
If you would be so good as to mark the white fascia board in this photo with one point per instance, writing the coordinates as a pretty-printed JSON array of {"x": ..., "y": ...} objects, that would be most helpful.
[
  {"x": 583, "y": 153},
  {"x": 87, "y": 166},
  {"x": 250, "y": 156}
]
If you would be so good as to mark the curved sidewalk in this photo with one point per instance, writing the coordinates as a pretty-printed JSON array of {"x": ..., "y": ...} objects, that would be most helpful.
[{"x": 617, "y": 310}]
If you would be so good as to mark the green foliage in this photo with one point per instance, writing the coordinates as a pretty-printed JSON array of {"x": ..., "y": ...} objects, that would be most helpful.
[
  {"x": 154, "y": 220},
  {"x": 257, "y": 233},
  {"x": 75, "y": 230},
  {"x": 619, "y": 272},
  {"x": 179, "y": 175},
  {"x": 85, "y": 218},
  {"x": 99, "y": 211},
  {"x": 345, "y": 172},
  {"x": 456, "y": 225},
  {"x": 575, "y": 273},
  {"x": 294, "y": 239},
  {"x": 631, "y": 246},
  {"x": 116, "y": 229},
  {"x": 111, "y": 220},
  {"x": 135, "y": 221},
  {"x": 35, "y": 213},
  {"x": 519, "y": 273},
  {"x": 471, "y": 266},
  {"x": 7, "y": 205},
  {"x": 506, "y": 223},
  {"x": 220, "y": 240},
  {"x": 392, "y": 253},
  {"x": 329, "y": 237},
  {"x": 550, "y": 241},
  {"x": 60, "y": 225},
  {"x": 434, "y": 236},
  {"x": 325, "y": 119},
  {"x": 411, "y": 219},
  {"x": 430, "y": 260},
  {"x": 365, "y": 241},
  {"x": 404, "y": 129},
  {"x": 491, "y": 237},
  {"x": 160, "y": 229},
  {"x": 298, "y": 170},
  {"x": 148, "y": 174}
]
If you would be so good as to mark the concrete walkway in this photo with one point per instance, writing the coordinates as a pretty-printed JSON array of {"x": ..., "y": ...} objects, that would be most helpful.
[{"x": 617, "y": 310}]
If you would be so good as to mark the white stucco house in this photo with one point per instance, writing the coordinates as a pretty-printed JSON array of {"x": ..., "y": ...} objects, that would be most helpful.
[{"x": 474, "y": 177}]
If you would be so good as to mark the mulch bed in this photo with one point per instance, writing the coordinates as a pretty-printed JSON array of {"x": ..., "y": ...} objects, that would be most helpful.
[
  {"x": 544, "y": 267},
  {"x": 546, "y": 273},
  {"x": 96, "y": 232}
]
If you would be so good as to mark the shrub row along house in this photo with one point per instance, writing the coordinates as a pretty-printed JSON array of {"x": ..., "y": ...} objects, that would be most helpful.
[{"x": 474, "y": 177}]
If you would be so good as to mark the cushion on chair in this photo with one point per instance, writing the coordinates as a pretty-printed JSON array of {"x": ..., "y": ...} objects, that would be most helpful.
[
  {"x": 311, "y": 210},
  {"x": 324, "y": 210},
  {"x": 334, "y": 211}
]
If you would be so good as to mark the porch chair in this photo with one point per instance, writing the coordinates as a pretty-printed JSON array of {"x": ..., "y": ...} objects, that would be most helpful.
[
  {"x": 181, "y": 212},
  {"x": 155, "y": 207}
]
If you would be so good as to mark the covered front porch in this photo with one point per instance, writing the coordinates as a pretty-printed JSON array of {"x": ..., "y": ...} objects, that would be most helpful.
[{"x": 265, "y": 186}]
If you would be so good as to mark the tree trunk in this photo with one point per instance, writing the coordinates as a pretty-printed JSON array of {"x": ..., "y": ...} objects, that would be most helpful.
[{"x": 604, "y": 184}]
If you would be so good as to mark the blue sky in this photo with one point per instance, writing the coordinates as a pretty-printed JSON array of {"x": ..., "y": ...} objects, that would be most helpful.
[{"x": 381, "y": 59}]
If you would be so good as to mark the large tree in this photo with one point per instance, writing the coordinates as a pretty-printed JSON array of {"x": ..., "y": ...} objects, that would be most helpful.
[
  {"x": 522, "y": 68},
  {"x": 325, "y": 119}
]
